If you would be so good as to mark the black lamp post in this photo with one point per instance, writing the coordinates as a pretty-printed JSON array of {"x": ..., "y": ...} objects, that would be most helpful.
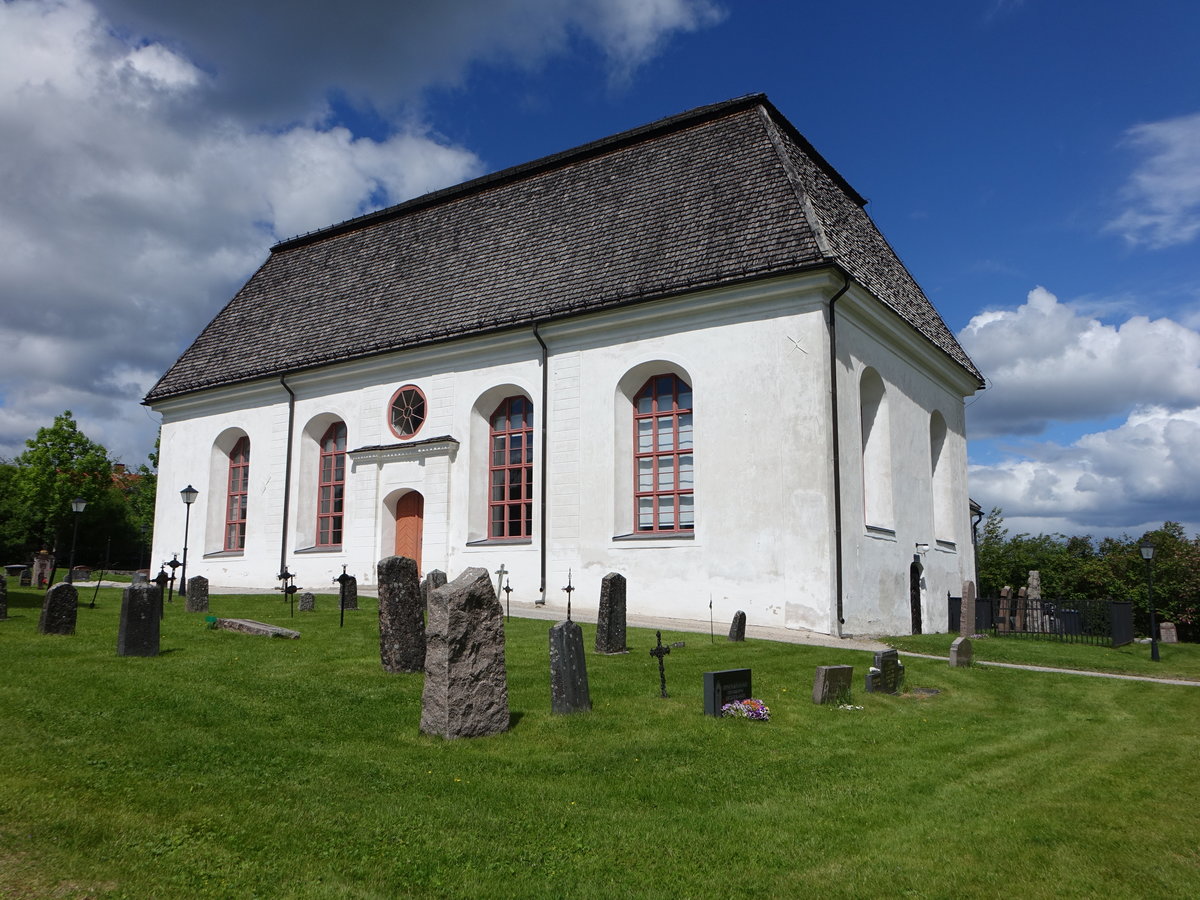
[
  {"x": 77, "y": 506},
  {"x": 189, "y": 495},
  {"x": 1147, "y": 549}
]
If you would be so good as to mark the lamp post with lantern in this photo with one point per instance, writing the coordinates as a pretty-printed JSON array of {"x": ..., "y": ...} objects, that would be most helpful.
[
  {"x": 77, "y": 506},
  {"x": 189, "y": 495},
  {"x": 1147, "y": 549}
]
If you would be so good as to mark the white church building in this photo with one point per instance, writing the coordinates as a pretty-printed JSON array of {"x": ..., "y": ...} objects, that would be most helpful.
[{"x": 683, "y": 353}]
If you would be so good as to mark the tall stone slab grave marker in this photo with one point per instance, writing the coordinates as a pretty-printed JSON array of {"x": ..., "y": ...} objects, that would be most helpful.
[
  {"x": 966, "y": 618},
  {"x": 59, "y": 610},
  {"x": 433, "y": 580},
  {"x": 466, "y": 686},
  {"x": 351, "y": 590},
  {"x": 568, "y": 670},
  {"x": 197, "y": 594},
  {"x": 610, "y": 621},
  {"x": 737, "y": 628},
  {"x": 138, "y": 631},
  {"x": 401, "y": 616}
]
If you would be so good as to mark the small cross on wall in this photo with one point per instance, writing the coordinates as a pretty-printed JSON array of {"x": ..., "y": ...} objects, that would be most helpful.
[{"x": 569, "y": 588}]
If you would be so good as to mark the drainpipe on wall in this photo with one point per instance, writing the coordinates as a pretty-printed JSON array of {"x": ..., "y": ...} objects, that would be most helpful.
[
  {"x": 287, "y": 474},
  {"x": 837, "y": 465},
  {"x": 541, "y": 601}
]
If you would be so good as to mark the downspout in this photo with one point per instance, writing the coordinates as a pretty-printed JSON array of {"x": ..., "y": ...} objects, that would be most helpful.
[
  {"x": 837, "y": 465},
  {"x": 541, "y": 601},
  {"x": 287, "y": 474}
]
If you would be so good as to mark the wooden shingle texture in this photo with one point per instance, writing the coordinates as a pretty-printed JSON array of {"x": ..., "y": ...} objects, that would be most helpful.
[{"x": 710, "y": 197}]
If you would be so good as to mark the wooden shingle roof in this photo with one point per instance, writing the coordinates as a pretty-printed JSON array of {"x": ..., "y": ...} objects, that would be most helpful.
[{"x": 721, "y": 194}]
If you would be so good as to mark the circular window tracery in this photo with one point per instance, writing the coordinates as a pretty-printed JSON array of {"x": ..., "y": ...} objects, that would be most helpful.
[{"x": 407, "y": 412}]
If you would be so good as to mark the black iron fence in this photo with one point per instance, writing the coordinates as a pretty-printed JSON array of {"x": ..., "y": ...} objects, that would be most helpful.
[{"x": 1105, "y": 623}]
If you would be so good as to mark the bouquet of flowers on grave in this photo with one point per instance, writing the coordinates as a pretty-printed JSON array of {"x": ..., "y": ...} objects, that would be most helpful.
[{"x": 746, "y": 709}]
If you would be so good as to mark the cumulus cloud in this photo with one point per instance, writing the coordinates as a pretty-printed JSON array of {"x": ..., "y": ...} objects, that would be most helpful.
[
  {"x": 153, "y": 151},
  {"x": 1163, "y": 193},
  {"x": 1048, "y": 361}
]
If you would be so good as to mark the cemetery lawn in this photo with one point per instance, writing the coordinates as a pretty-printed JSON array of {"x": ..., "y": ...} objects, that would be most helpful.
[
  {"x": 241, "y": 766},
  {"x": 1175, "y": 660}
]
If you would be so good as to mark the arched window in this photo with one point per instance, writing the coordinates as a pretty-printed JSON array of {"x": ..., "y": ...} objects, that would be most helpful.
[
  {"x": 663, "y": 455},
  {"x": 235, "y": 504},
  {"x": 331, "y": 486},
  {"x": 510, "y": 470}
]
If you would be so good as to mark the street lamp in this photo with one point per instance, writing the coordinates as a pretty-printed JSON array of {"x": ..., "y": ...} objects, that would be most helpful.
[
  {"x": 77, "y": 506},
  {"x": 189, "y": 495},
  {"x": 1147, "y": 549}
]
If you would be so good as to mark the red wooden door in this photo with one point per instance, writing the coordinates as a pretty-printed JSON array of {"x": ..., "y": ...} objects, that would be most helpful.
[{"x": 410, "y": 518}]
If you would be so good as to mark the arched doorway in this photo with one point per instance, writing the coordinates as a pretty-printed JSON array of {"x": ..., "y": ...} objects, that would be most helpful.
[
  {"x": 410, "y": 522},
  {"x": 914, "y": 594}
]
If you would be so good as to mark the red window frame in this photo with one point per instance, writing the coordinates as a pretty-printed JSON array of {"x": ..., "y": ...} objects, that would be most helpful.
[
  {"x": 510, "y": 469},
  {"x": 236, "y": 492},
  {"x": 406, "y": 411},
  {"x": 331, "y": 486},
  {"x": 663, "y": 456}
]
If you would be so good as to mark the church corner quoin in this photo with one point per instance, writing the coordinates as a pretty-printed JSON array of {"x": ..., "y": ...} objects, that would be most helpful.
[{"x": 641, "y": 356}]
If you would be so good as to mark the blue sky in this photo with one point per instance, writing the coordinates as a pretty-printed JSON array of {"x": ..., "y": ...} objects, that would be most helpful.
[{"x": 1036, "y": 164}]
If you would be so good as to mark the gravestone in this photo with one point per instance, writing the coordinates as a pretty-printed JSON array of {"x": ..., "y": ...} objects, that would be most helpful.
[
  {"x": 466, "y": 686},
  {"x": 432, "y": 581},
  {"x": 1004, "y": 623},
  {"x": 401, "y": 615},
  {"x": 141, "y": 578},
  {"x": 726, "y": 686},
  {"x": 350, "y": 589},
  {"x": 961, "y": 653},
  {"x": 737, "y": 629},
  {"x": 250, "y": 626},
  {"x": 138, "y": 631},
  {"x": 610, "y": 621},
  {"x": 1168, "y": 633},
  {"x": 966, "y": 619},
  {"x": 568, "y": 670},
  {"x": 308, "y": 602},
  {"x": 887, "y": 673},
  {"x": 3, "y": 597},
  {"x": 832, "y": 684},
  {"x": 197, "y": 595},
  {"x": 59, "y": 610},
  {"x": 43, "y": 568}
]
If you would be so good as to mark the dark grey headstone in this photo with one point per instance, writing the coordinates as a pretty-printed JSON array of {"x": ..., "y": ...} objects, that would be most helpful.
[
  {"x": 966, "y": 619},
  {"x": 59, "y": 610},
  {"x": 737, "y": 629},
  {"x": 466, "y": 686},
  {"x": 568, "y": 670},
  {"x": 726, "y": 686},
  {"x": 431, "y": 582},
  {"x": 3, "y": 597},
  {"x": 610, "y": 622},
  {"x": 961, "y": 653},
  {"x": 197, "y": 594},
  {"x": 138, "y": 631},
  {"x": 832, "y": 684},
  {"x": 308, "y": 603},
  {"x": 1168, "y": 633},
  {"x": 351, "y": 590},
  {"x": 887, "y": 673},
  {"x": 401, "y": 616}
]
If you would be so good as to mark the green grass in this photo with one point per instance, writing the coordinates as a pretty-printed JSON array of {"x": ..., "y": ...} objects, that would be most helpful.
[
  {"x": 239, "y": 766},
  {"x": 1175, "y": 660}
]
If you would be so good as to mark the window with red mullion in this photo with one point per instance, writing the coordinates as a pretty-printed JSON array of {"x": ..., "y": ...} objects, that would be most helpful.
[
  {"x": 510, "y": 470},
  {"x": 331, "y": 486},
  {"x": 663, "y": 458},
  {"x": 235, "y": 506}
]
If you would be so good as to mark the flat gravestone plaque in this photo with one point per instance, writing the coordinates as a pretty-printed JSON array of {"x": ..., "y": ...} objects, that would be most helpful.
[
  {"x": 832, "y": 684},
  {"x": 138, "y": 630},
  {"x": 961, "y": 653},
  {"x": 887, "y": 673},
  {"x": 59, "y": 610},
  {"x": 568, "y": 670},
  {"x": 724, "y": 687}
]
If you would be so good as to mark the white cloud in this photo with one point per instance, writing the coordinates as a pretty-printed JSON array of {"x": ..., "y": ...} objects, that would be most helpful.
[
  {"x": 1046, "y": 361},
  {"x": 1163, "y": 193}
]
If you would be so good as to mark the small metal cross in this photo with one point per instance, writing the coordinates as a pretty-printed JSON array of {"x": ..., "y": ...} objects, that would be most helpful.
[
  {"x": 500, "y": 573},
  {"x": 507, "y": 599},
  {"x": 569, "y": 588},
  {"x": 660, "y": 651},
  {"x": 341, "y": 581}
]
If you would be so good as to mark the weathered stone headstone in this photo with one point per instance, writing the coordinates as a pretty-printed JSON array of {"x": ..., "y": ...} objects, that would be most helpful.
[
  {"x": 887, "y": 673},
  {"x": 466, "y": 686},
  {"x": 401, "y": 615},
  {"x": 726, "y": 686},
  {"x": 138, "y": 630},
  {"x": 43, "y": 568},
  {"x": 966, "y": 618},
  {"x": 351, "y": 592},
  {"x": 1004, "y": 623},
  {"x": 1168, "y": 633},
  {"x": 249, "y": 626},
  {"x": 832, "y": 684},
  {"x": 308, "y": 602},
  {"x": 59, "y": 610},
  {"x": 961, "y": 653},
  {"x": 141, "y": 578},
  {"x": 737, "y": 629},
  {"x": 430, "y": 583},
  {"x": 197, "y": 594},
  {"x": 3, "y": 597},
  {"x": 568, "y": 670},
  {"x": 610, "y": 621}
]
